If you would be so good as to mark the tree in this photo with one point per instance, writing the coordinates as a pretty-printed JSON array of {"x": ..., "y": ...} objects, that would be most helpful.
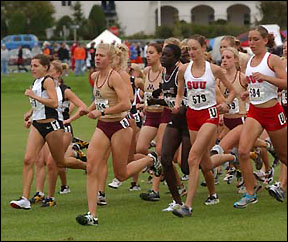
[
  {"x": 79, "y": 19},
  {"x": 64, "y": 21},
  {"x": 36, "y": 16},
  {"x": 96, "y": 21},
  {"x": 17, "y": 23},
  {"x": 273, "y": 13}
]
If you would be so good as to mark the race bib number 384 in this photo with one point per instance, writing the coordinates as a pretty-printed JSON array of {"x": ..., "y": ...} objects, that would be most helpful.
[{"x": 101, "y": 104}]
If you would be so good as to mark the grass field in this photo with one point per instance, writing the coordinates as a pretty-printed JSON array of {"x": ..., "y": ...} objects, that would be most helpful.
[{"x": 126, "y": 217}]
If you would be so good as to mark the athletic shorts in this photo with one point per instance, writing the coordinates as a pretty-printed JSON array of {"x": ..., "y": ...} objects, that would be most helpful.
[
  {"x": 46, "y": 128},
  {"x": 110, "y": 128},
  {"x": 153, "y": 119},
  {"x": 166, "y": 116},
  {"x": 178, "y": 121},
  {"x": 196, "y": 118},
  {"x": 231, "y": 123},
  {"x": 271, "y": 119}
]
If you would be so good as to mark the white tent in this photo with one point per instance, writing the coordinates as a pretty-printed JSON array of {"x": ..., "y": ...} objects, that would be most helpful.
[{"x": 106, "y": 37}]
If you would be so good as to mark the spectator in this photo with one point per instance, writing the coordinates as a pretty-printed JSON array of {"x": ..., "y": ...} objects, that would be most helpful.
[
  {"x": 4, "y": 59},
  {"x": 46, "y": 50},
  {"x": 79, "y": 56},
  {"x": 20, "y": 60},
  {"x": 91, "y": 55},
  {"x": 63, "y": 55},
  {"x": 75, "y": 44},
  {"x": 133, "y": 53}
]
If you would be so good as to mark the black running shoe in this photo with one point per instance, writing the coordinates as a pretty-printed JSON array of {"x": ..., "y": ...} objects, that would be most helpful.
[
  {"x": 87, "y": 219},
  {"x": 150, "y": 196},
  {"x": 83, "y": 144},
  {"x": 48, "y": 202}
]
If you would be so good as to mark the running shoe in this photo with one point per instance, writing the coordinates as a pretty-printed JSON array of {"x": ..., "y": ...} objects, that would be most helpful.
[
  {"x": 82, "y": 144},
  {"x": 134, "y": 187},
  {"x": 277, "y": 192},
  {"x": 230, "y": 175},
  {"x": 101, "y": 201},
  {"x": 185, "y": 178},
  {"x": 242, "y": 190},
  {"x": 245, "y": 201},
  {"x": 259, "y": 175},
  {"x": 38, "y": 197},
  {"x": 258, "y": 160},
  {"x": 234, "y": 152},
  {"x": 150, "y": 196},
  {"x": 212, "y": 200},
  {"x": 269, "y": 176},
  {"x": 48, "y": 202},
  {"x": 21, "y": 203},
  {"x": 79, "y": 153},
  {"x": 182, "y": 211},
  {"x": 87, "y": 219},
  {"x": 152, "y": 144},
  {"x": 64, "y": 189},
  {"x": 203, "y": 183},
  {"x": 115, "y": 184},
  {"x": 171, "y": 207}
]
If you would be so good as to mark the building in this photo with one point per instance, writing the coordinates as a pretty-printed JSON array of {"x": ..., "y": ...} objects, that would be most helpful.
[{"x": 137, "y": 16}]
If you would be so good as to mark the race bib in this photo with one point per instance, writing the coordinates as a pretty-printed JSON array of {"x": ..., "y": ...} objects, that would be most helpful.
[
  {"x": 234, "y": 106},
  {"x": 198, "y": 99},
  {"x": 256, "y": 92},
  {"x": 284, "y": 97},
  {"x": 101, "y": 104},
  {"x": 125, "y": 123},
  {"x": 213, "y": 113},
  {"x": 137, "y": 117},
  {"x": 147, "y": 96},
  {"x": 55, "y": 125}
]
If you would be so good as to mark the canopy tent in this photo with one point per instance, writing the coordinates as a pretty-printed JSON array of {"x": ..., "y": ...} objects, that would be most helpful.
[{"x": 106, "y": 37}]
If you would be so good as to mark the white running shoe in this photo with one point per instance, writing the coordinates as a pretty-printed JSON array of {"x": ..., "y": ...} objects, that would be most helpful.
[
  {"x": 115, "y": 183},
  {"x": 21, "y": 203},
  {"x": 185, "y": 178},
  {"x": 171, "y": 207}
]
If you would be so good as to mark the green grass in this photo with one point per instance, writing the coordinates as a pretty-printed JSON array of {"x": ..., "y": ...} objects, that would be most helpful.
[{"x": 126, "y": 217}]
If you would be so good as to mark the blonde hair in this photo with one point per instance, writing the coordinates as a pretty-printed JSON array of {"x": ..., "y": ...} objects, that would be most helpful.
[
  {"x": 122, "y": 52},
  {"x": 59, "y": 66},
  {"x": 236, "y": 56},
  {"x": 172, "y": 40},
  {"x": 184, "y": 43},
  {"x": 137, "y": 68},
  {"x": 110, "y": 49}
]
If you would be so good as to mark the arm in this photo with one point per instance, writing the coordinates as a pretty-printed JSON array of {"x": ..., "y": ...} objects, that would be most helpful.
[
  {"x": 52, "y": 101},
  {"x": 28, "y": 115},
  {"x": 181, "y": 87},
  {"x": 80, "y": 112},
  {"x": 278, "y": 67}
]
